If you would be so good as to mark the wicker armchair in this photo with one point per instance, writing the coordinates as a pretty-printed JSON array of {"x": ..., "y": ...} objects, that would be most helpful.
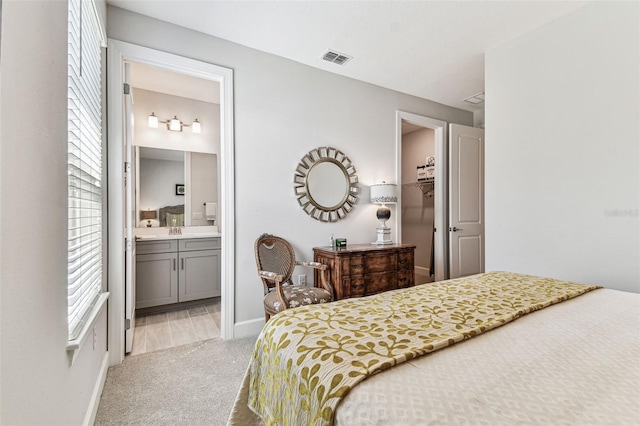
[{"x": 276, "y": 261}]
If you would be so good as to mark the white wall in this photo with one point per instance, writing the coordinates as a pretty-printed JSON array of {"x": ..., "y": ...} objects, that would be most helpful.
[
  {"x": 562, "y": 150},
  {"x": 282, "y": 110},
  {"x": 38, "y": 384}
]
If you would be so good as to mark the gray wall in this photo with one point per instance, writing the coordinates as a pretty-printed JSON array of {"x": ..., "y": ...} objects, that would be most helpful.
[
  {"x": 282, "y": 110},
  {"x": 562, "y": 150},
  {"x": 38, "y": 384}
]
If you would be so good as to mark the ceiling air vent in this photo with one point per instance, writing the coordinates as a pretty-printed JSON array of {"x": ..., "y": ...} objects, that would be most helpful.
[
  {"x": 476, "y": 99},
  {"x": 336, "y": 58}
]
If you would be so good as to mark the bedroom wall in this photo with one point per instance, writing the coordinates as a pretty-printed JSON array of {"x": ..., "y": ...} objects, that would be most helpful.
[
  {"x": 283, "y": 109},
  {"x": 38, "y": 384},
  {"x": 562, "y": 151}
]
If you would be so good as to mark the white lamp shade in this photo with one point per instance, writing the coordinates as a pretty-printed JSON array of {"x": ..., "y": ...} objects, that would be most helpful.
[
  {"x": 175, "y": 125},
  {"x": 153, "y": 121},
  {"x": 383, "y": 193},
  {"x": 195, "y": 126}
]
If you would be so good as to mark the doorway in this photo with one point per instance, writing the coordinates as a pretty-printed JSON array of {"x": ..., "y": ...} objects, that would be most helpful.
[
  {"x": 423, "y": 203},
  {"x": 119, "y": 168},
  {"x": 417, "y": 189}
]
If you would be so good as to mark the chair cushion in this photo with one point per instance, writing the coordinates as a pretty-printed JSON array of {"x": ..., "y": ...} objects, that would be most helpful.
[{"x": 297, "y": 295}]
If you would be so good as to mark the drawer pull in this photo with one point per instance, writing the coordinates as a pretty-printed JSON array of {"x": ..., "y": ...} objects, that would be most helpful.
[
  {"x": 182, "y": 263},
  {"x": 357, "y": 266},
  {"x": 174, "y": 264}
]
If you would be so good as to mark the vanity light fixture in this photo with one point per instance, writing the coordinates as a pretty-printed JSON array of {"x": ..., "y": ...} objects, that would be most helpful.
[
  {"x": 195, "y": 126},
  {"x": 383, "y": 193},
  {"x": 153, "y": 121},
  {"x": 175, "y": 125}
]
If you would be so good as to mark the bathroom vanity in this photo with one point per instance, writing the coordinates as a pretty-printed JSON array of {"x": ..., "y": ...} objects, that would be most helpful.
[{"x": 176, "y": 268}]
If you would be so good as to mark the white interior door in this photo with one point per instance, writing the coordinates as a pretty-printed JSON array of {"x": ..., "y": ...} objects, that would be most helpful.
[
  {"x": 466, "y": 197},
  {"x": 130, "y": 214}
]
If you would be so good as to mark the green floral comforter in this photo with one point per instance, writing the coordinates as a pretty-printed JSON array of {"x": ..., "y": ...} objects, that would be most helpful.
[{"x": 307, "y": 359}]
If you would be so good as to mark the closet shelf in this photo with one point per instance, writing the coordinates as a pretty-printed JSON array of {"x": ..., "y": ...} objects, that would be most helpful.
[{"x": 426, "y": 186}]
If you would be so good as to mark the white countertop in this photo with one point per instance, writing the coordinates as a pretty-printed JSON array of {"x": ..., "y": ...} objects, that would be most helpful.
[
  {"x": 177, "y": 236},
  {"x": 142, "y": 234}
]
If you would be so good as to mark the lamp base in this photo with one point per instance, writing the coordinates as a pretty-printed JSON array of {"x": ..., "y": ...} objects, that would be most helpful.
[{"x": 384, "y": 236}]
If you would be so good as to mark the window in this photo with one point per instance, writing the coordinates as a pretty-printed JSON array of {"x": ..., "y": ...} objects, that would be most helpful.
[{"x": 85, "y": 209}]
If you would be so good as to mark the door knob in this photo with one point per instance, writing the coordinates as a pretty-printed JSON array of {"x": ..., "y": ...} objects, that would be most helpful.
[{"x": 454, "y": 229}]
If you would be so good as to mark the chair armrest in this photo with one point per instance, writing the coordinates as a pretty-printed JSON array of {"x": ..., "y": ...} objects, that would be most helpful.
[
  {"x": 277, "y": 278},
  {"x": 323, "y": 274},
  {"x": 314, "y": 265},
  {"x": 270, "y": 276}
]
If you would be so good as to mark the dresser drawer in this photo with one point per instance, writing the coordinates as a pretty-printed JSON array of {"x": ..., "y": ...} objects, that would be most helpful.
[
  {"x": 405, "y": 260},
  {"x": 380, "y": 262},
  {"x": 377, "y": 283},
  {"x": 406, "y": 279},
  {"x": 356, "y": 265},
  {"x": 353, "y": 287}
]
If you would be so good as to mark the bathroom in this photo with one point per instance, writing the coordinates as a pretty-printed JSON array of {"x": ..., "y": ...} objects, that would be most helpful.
[{"x": 173, "y": 182}]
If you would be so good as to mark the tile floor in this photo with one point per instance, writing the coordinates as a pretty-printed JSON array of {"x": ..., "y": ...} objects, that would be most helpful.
[{"x": 169, "y": 329}]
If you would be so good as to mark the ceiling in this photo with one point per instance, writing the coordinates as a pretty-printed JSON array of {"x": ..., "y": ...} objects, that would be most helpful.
[
  {"x": 430, "y": 49},
  {"x": 160, "y": 80}
]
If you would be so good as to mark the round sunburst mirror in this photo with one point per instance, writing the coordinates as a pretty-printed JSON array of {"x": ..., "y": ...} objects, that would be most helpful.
[{"x": 326, "y": 184}]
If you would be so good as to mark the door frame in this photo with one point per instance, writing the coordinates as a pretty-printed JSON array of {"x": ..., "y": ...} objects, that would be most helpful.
[
  {"x": 118, "y": 52},
  {"x": 441, "y": 190}
]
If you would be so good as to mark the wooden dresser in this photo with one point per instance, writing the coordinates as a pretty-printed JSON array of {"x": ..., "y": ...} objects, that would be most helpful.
[{"x": 364, "y": 269}]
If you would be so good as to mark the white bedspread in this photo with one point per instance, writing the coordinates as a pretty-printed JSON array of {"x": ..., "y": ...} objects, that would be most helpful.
[{"x": 575, "y": 363}]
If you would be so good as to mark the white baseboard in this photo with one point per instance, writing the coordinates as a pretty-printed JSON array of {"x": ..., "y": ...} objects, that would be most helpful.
[
  {"x": 92, "y": 410},
  {"x": 248, "y": 328},
  {"x": 424, "y": 271}
]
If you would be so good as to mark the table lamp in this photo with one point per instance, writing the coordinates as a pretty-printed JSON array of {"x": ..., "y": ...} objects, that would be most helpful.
[
  {"x": 383, "y": 193},
  {"x": 148, "y": 215}
]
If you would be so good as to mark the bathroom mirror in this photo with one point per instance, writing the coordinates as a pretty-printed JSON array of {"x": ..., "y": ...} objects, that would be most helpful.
[
  {"x": 176, "y": 185},
  {"x": 326, "y": 184}
]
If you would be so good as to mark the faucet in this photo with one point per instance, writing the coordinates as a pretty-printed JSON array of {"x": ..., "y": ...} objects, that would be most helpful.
[{"x": 175, "y": 230}]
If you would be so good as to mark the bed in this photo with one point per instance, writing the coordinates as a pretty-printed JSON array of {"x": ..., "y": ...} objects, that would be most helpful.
[
  {"x": 171, "y": 215},
  {"x": 495, "y": 348}
]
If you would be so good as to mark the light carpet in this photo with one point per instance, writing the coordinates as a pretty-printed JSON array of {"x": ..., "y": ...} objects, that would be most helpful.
[{"x": 194, "y": 384}]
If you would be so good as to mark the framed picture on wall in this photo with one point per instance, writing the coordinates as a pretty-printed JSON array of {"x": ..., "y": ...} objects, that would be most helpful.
[{"x": 179, "y": 188}]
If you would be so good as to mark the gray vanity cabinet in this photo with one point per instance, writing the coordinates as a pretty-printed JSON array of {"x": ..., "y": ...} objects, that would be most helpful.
[
  {"x": 171, "y": 271},
  {"x": 199, "y": 274}
]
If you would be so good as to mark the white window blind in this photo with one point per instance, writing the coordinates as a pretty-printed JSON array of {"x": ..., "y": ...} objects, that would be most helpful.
[{"x": 84, "y": 163}]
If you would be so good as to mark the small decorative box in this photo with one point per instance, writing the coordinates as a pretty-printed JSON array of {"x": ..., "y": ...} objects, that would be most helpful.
[
  {"x": 422, "y": 172},
  {"x": 341, "y": 242},
  {"x": 430, "y": 171}
]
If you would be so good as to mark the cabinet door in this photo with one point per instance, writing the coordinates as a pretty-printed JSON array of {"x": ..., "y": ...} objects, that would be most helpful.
[
  {"x": 199, "y": 275},
  {"x": 156, "y": 279}
]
